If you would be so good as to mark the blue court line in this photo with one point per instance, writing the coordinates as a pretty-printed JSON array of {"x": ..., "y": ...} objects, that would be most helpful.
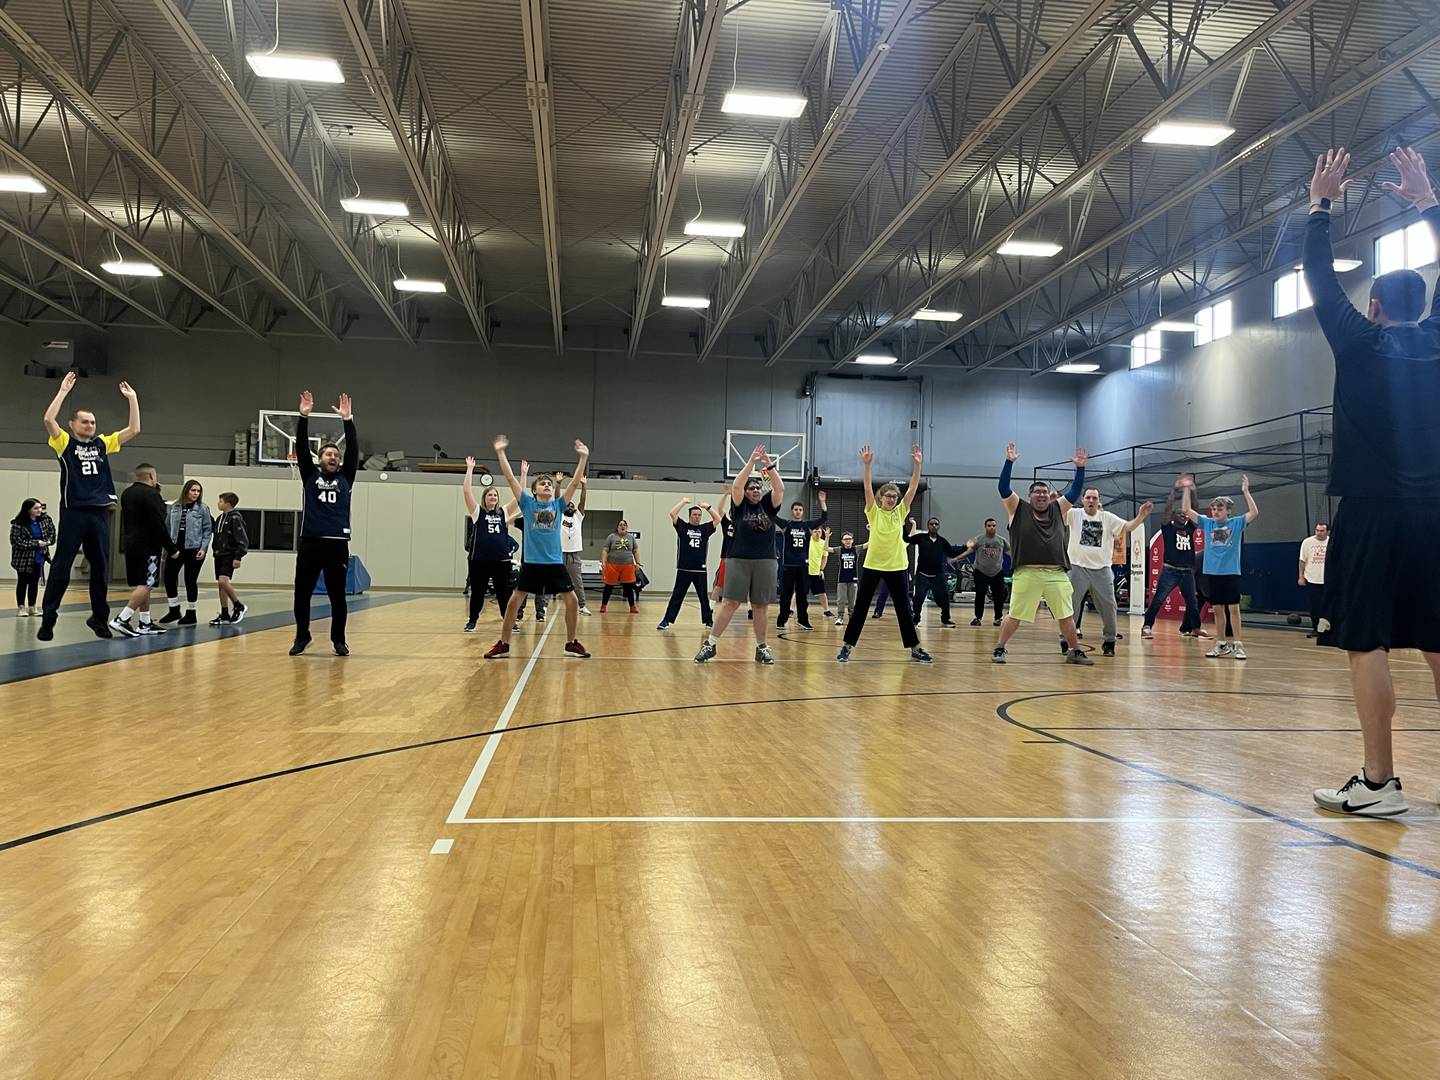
[{"x": 35, "y": 663}]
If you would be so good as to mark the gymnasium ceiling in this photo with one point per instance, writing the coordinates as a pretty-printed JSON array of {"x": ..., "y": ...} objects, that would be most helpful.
[{"x": 551, "y": 151}]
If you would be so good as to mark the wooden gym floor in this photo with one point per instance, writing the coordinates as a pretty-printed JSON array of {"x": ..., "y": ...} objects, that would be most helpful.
[{"x": 216, "y": 861}]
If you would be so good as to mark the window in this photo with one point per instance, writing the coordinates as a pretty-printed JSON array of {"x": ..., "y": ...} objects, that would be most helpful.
[
  {"x": 1214, "y": 322},
  {"x": 278, "y": 530},
  {"x": 1146, "y": 348},
  {"x": 1404, "y": 249},
  {"x": 1291, "y": 295}
]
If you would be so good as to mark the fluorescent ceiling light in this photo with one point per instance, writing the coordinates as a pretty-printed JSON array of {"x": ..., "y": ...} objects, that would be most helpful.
[
  {"x": 1040, "y": 249},
  {"x": 714, "y": 228},
  {"x": 1188, "y": 133},
  {"x": 1175, "y": 326},
  {"x": 1342, "y": 266},
  {"x": 376, "y": 207},
  {"x": 1077, "y": 369},
  {"x": 21, "y": 182},
  {"x": 298, "y": 67},
  {"x": 410, "y": 284},
  {"x": 124, "y": 268},
  {"x": 878, "y": 359},
  {"x": 788, "y": 106},
  {"x": 926, "y": 314},
  {"x": 685, "y": 301}
]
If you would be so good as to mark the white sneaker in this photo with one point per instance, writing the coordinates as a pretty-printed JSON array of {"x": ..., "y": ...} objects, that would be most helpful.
[
  {"x": 1237, "y": 652},
  {"x": 1359, "y": 798},
  {"x": 124, "y": 626},
  {"x": 1220, "y": 652},
  {"x": 34, "y": 612},
  {"x": 586, "y": 611},
  {"x": 22, "y": 613}
]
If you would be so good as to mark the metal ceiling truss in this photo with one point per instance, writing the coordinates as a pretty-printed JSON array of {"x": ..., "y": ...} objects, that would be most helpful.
[
  {"x": 540, "y": 96},
  {"x": 184, "y": 205},
  {"x": 1049, "y": 168},
  {"x": 1009, "y": 41},
  {"x": 695, "y": 46},
  {"x": 800, "y": 150},
  {"x": 397, "y": 82},
  {"x": 1171, "y": 252}
]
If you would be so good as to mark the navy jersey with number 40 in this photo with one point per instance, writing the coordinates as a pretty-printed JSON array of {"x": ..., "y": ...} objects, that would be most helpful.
[{"x": 327, "y": 495}]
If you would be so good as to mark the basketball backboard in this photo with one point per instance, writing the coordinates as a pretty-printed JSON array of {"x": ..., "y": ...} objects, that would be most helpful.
[{"x": 277, "y": 434}]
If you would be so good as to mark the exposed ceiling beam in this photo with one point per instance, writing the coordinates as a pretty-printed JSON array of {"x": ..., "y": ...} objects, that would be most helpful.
[
  {"x": 396, "y": 76},
  {"x": 540, "y": 95},
  {"x": 786, "y": 179},
  {"x": 696, "y": 42}
]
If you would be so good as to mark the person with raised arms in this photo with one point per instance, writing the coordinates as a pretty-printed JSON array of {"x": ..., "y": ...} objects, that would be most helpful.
[
  {"x": 324, "y": 547},
  {"x": 692, "y": 546},
  {"x": 490, "y": 546}
]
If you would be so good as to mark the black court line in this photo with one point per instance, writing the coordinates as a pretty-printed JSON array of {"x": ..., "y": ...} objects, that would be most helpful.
[
  {"x": 1333, "y": 839},
  {"x": 942, "y": 659},
  {"x": 155, "y": 804}
]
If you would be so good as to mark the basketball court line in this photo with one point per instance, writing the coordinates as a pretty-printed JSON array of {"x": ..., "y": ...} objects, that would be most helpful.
[
  {"x": 705, "y": 819},
  {"x": 471, "y": 787}
]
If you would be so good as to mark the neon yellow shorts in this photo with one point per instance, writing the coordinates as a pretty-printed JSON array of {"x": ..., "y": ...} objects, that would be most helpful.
[{"x": 1031, "y": 585}]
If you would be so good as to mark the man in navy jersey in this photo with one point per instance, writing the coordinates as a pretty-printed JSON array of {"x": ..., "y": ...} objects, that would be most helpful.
[
  {"x": 87, "y": 493},
  {"x": 325, "y": 523},
  {"x": 692, "y": 545},
  {"x": 794, "y": 539},
  {"x": 848, "y": 582}
]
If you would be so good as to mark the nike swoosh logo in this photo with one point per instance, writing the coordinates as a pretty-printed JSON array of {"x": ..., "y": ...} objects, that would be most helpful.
[{"x": 1353, "y": 809}]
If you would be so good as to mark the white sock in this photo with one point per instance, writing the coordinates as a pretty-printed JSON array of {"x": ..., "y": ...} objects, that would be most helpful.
[
  {"x": 144, "y": 618},
  {"x": 712, "y": 639},
  {"x": 173, "y": 601},
  {"x": 126, "y": 613}
]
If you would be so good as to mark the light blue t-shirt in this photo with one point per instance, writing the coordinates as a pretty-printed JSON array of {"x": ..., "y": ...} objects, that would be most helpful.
[
  {"x": 1222, "y": 544},
  {"x": 542, "y": 530}
]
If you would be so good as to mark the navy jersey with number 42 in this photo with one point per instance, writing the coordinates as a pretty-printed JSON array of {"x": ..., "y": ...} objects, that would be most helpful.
[{"x": 327, "y": 495}]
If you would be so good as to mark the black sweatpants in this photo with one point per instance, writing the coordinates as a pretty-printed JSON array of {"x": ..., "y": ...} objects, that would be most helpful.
[
  {"x": 186, "y": 561},
  {"x": 632, "y": 595},
  {"x": 995, "y": 586},
  {"x": 331, "y": 558},
  {"x": 482, "y": 573},
  {"x": 1316, "y": 595},
  {"x": 685, "y": 580},
  {"x": 938, "y": 587},
  {"x": 869, "y": 581},
  {"x": 794, "y": 586},
  {"x": 27, "y": 588},
  {"x": 84, "y": 528}
]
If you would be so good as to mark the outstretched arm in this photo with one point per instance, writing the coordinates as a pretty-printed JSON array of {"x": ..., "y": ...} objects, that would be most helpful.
[
  {"x": 468, "y": 489},
  {"x": 1007, "y": 496},
  {"x": 1338, "y": 319},
  {"x": 584, "y": 492},
  {"x": 1414, "y": 188},
  {"x": 867, "y": 459},
  {"x": 501, "y": 442},
  {"x": 1185, "y": 506},
  {"x": 303, "y": 461},
  {"x": 918, "y": 457},
  {"x": 675, "y": 510},
  {"x": 777, "y": 484},
  {"x": 350, "y": 461},
  {"x": 1253, "y": 511},
  {"x": 584, "y": 452},
  {"x": 52, "y": 413},
  {"x": 132, "y": 428},
  {"x": 1139, "y": 519},
  {"x": 815, "y": 523},
  {"x": 737, "y": 487},
  {"x": 714, "y": 514},
  {"x": 1077, "y": 485}
]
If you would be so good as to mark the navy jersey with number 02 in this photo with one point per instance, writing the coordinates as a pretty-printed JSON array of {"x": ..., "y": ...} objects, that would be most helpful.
[
  {"x": 327, "y": 495},
  {"x": 85, "y": 478}
]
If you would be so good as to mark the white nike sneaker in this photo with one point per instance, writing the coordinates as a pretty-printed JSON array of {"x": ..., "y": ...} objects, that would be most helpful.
[
  {"x": 1357, "y": 797},
  {"x": 1220, "y": 651},
  {"x": 1237, "y": 652}
]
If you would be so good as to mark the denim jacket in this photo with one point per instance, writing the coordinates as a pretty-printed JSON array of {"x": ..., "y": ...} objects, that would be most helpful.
[{"x": 198, "y": 525}]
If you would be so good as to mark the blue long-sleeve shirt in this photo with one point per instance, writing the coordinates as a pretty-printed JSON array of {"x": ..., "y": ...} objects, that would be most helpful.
[{"x": 1387, "y": 385}]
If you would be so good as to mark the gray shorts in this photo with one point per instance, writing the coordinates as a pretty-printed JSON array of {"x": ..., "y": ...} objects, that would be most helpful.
[{"x": 750, "y": 580}]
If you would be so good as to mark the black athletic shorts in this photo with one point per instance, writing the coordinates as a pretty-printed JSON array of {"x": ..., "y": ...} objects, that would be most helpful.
[
  {"x": 545, "y": 579},
  {"x": 224, "y": 567},
  {"x": 1222, "y": 589},
  {"x": 815, "y": 584},
  {"x": 142, "y": 568},
  {"x": 1382, "y": 583}
]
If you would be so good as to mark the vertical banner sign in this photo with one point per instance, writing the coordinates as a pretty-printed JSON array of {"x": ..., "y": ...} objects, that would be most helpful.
[{"x": 1138, "y": 565}]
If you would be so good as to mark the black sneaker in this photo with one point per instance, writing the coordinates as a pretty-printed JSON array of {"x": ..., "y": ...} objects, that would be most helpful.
[
  {"x": 341, "y": 649},
  {"x": 974, "y": 622},
  {"x": 470, "y": 627},
  {"x": 124, "y": 626},
  {"x": 173, "y": 615},
  {"x": 540, "y": 616},
  {"x": 223, "y": 619},
  {"x": 300, "y": 645},
  {"x": 1107, "y": 649},
  {"x": 999, "y": 655},
  {"x": 46, "y": 631},
  {"x": 920, "y": 656},
  {"x": 947, "y": 623},
  {"x": 188, "y": 619},
  {"x": 1064, "y": 646},
  {"x": 99, "y": 627},
  {"x": 239, "y": 612}
]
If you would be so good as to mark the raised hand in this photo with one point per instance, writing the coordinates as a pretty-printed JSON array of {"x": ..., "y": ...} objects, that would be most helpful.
[
  {"x": 126, "y": 389},
  {"x": 685, "y": 500},
  {"x": 581, "y": 449},
  {"x": 1245, "y": 484},
  {"x": 1146, "y": 507},
  {"x": 524, "y": 466},
  {"x": 343, "y": 409},
  {"x": 500, "y": 443},
  {"x": 821, "y": 496},
  {"x": 867, "y": 456},
  {"x": 1080, "y": 458},
  {"x": 1011, "y": 454},
  {"x": 469, "y": 462},
  {"x": 917, "y": 455},
  {"x": 1329, "y": 180},
  {"x": 307, "y": 403},
  {"x": 68, "y": 382},
  {"x": 584, "y": 482},
  {"x": 1414, "y": 186}
]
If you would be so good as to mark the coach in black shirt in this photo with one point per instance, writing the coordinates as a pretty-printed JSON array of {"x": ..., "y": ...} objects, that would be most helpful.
[
  {"x": 1382, "y": 581},
  {"x": 324, "y": 547}
]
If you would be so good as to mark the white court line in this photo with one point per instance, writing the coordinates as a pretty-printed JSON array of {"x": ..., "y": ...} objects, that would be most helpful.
[
  {"x": 671, "y": 819},
  {"x": 492, "y": 743},
  {"x": 442, "y": 847}
]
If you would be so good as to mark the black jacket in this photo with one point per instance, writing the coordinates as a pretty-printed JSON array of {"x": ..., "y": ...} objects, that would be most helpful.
[
  {"x": 231, "y": 540},
  {"x": 142, "y": 520}
]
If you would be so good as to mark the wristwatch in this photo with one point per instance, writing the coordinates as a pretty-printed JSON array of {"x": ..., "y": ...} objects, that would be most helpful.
[{"x": 1320, "y": 204}]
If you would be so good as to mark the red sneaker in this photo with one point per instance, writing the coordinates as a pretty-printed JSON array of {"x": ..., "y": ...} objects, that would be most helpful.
[
  {"x": 498, "y": 651},
  {"x": 574, "y": 648},
  {"x": 602, "y": 609},
  {"x": 1201, "y": 633},
  {"x": 634, "y": 610}
]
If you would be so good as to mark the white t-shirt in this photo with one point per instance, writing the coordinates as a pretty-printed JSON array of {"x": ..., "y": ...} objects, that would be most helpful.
[
  {"x": 1312, "y": 554},
  {"x": 1092, "y": 539},
  {"x": 570, "y": 542}
]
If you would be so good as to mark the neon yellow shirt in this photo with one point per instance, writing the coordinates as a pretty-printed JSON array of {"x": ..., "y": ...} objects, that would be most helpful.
[
  {"x": 819, "y": 552},
  {"x": 887, "y": 537}
]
